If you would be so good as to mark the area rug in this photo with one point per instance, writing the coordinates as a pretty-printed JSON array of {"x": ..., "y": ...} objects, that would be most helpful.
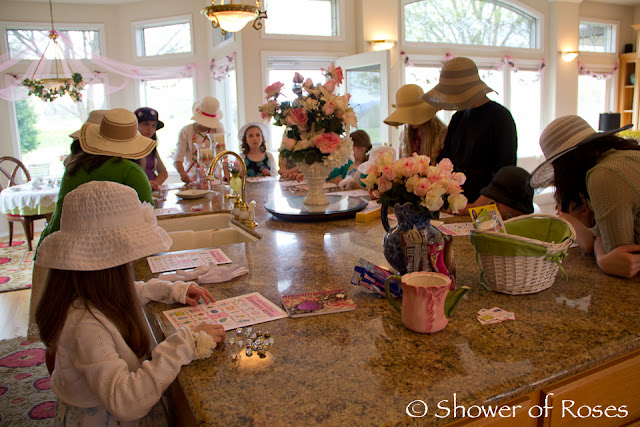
[
  {"x": 26, "y": 398},
  {"x": 16, "y": 263}
]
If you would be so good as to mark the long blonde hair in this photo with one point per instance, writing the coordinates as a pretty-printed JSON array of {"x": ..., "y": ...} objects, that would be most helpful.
[{"x": 433, "y": 133}]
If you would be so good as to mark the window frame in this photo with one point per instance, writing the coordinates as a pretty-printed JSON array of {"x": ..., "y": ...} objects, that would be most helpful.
[
  {"x": 539, "y": 36},
  {"x": 615, "y": 38},
  {"x": 46, "y": 26},
  {"x": 137, "y": 33},
  {"x": 611, "y": 94},
  {"x": 340, "y": 28}
]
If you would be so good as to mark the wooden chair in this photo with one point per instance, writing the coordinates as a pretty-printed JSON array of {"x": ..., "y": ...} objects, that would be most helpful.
[{"x": 15, "y": 166}]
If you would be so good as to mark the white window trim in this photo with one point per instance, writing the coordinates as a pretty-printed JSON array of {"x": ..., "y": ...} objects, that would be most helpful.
[
  {"x": 191, "y": 75},
  {"x": 341, "y": 27},
  {"x": 616, "y": 35},
  {"x": 40, "y": 26},
  {"x": 611, "y": 94},
  {"x": 137, "y": 28},
  {"x": 480, "y": 48}
]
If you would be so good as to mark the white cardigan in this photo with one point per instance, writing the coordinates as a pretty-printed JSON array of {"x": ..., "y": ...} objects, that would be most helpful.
[{"x": 96, "y": 368}]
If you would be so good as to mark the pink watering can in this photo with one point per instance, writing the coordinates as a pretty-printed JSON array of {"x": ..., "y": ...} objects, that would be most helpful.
[{"x": 426, "y": 300}]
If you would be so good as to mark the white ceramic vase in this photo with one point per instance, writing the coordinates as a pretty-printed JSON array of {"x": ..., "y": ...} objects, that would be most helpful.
[{"x": 316, "y": 175}]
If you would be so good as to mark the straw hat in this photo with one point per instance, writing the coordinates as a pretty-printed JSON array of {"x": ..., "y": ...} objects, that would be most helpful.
[
  {"x": 116, "y": 135},
  {"x": 564, "y": 134},
  {"x": 459, "y": 86},
  {"x": 510, "y": 187},
  {"x": 373, "y": 156},
  {"x": 207, "y": 113},
  {"x": 146, "y": 114},
  {"x": 103, "y": 225},
  {"x": 264, "y": 129},
  {"x": 95, "y": 117},
  {"x": 410, "y": 109}
]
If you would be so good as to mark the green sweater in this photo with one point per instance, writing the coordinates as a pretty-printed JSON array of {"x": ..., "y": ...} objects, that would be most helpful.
[{"x": 115, "y": 169}]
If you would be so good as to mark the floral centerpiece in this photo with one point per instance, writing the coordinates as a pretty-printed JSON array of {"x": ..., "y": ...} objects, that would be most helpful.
[
  {"x": 429, "y": 189},
  {"x": 71, "y": 87},
  {"x": 317, "y": 127}
]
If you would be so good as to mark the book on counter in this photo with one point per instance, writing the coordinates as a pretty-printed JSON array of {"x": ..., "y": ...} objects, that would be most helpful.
[{"x": 317, "y": 303}]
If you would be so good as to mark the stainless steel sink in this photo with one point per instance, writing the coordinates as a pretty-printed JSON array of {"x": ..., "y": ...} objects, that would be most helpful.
[{"x": 205, "y": 231}]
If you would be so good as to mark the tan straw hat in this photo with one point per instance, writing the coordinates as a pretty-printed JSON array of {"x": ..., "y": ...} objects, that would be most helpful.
[
  {"x": 564, "y": 134},
  {"x": 103, "y": 225},
  {"x": 207, "y": 113},
  {"x": 94, "y": 117},
  {"x": 116, "y": 135},
  {"x": 459, "y": 86},
  {"x": 410, "y": 109}
]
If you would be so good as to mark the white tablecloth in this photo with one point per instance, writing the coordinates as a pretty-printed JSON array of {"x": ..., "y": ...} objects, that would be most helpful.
[{"x": 19, "y": 197}]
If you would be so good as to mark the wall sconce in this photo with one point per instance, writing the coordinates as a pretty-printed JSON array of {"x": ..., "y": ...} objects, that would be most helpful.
[
  {"x": 232, "y": 17},
  {"x": 568, "y": 56},
  {"x": 382, "y": 44}
]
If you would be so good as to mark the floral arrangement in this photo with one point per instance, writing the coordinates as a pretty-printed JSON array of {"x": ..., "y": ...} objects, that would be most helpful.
[
  {"x": 315, "y": 121},
  {"x": 234, "y": 167},
  {"x": 429, "y": 189},
  {"x": 71, "y": 87}
]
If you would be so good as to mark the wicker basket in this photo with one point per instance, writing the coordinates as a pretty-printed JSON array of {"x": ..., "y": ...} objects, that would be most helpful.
[{"x": 527, "y": 259}]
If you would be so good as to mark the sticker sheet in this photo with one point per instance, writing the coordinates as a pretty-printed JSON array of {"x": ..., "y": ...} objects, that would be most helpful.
[
  {"x": 231, "y": 313},
  {"x": 456, "y": 229},
  {"x": 181, "y": 261}
]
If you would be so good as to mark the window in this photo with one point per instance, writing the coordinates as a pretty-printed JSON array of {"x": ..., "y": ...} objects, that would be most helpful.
[
  {"x": 164, "y": 37},
  {"x": 173, "y": 98},
  {"x": 364, "y": 88},
  {"x": 519, "y": 91},
  {"x": 227, "y": 94},
  {"x": 469, "y": 22},
  {"x": 302, "y": 17},
  {"x": 33, "y": 42},
  {"x": 592, "y": 99},
  {"x": 44, "y": 127},
  {"x": 597, "y": 37}
]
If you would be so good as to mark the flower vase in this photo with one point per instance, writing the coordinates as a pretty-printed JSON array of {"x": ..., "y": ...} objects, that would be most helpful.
[
  {"x": 392, "y": 243},
  {"x": 316, "y": 175},
  {"x": 235, "y": 183}
]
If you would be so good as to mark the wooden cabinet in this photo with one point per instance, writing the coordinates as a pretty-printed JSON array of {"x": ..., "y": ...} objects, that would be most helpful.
[{"x": 628, "y": 89}]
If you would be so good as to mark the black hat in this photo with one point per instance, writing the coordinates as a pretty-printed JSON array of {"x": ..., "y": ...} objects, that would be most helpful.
[
  {"x": 510, "y": 187},
  {"x": 146, "y": 114}
]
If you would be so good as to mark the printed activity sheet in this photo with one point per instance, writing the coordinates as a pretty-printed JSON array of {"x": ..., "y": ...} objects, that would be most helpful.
[
  {"x": 456, "y": 229},
  {"x": 231, "y": 313},
  {"x": 181, "y": 261},
  {"x": 261, "y": 178}
]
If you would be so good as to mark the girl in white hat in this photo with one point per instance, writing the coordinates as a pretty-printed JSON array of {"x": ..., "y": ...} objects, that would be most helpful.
[
  {"x": 423, "y": 132},
  {"x": 597, "y": 180},
  {"x": 206, "y": 117},
  {"x": 257, "y": 159},
  {"x": 91, "y": 319}
]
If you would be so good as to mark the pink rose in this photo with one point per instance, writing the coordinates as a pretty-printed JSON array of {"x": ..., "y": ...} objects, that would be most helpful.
[
  {"x": 422, "y": 187},
  {"x": 299, "y": 117},
  {"x": 308, "y": 82},
  {"x": 328, "y": 108},
  {"x": 383, "y": 184},
  {"x": 446, "y": 165},
  {"x": 388, "y": 173},
  {"x": 274, "y": 89},
  {"x": 330, "y": 85},
  {"x": 328, "y": 142},
  {"x": 405, "y": 167},
  {"x": 459, "y": 177},
  {"x": 289, "y": 143},
  {"x": 297, "y": 78}
]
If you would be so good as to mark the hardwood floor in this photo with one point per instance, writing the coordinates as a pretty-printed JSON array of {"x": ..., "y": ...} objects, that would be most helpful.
[{"x": 14, "y": 310}]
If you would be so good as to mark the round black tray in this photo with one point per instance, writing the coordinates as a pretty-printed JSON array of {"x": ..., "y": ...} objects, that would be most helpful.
[{"x": 293, "y": 209}]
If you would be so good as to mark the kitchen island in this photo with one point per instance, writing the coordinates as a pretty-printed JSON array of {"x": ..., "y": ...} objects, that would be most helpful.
[{"x": 364, "y": 367}]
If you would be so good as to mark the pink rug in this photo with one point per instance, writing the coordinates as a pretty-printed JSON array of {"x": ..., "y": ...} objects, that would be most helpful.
[{"x": 16, "y": 263}]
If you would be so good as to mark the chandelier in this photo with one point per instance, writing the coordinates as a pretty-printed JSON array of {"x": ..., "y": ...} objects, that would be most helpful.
[
  {"x": 233, "y": 17},
  {"x": 49, "y": 89}
]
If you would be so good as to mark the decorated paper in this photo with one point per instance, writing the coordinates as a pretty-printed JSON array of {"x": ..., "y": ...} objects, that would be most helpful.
[
  {"x": 317, "y": 303},
  {"x": 231, "y": 313},
  {"x": 180, "y": 261},
  {"x": 456, "y": 229}
]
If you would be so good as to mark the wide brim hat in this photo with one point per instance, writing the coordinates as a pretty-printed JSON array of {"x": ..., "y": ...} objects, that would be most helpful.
[
  {"x": 459, "y": 86},
  {"x": 103, "y": 225},
  {"x": 373, "y": 156},
  {"x": 146, "y": 114},
  {"x": 116, "y": 135},
  {"x": 510, "y": 186},
  {"x": 409, "y": 108},
  {"x": 263, "y": 128},
  {"x": 207, "y": 113},
  {"x": 561, "y": 136},
  {"x": 94, "y": 117}
]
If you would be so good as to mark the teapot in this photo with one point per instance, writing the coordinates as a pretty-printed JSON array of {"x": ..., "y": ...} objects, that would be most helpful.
[{"x": 427, "y": 303}]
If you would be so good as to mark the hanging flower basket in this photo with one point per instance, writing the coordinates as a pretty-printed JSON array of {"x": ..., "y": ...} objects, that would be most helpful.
[{"x": 51, "y": 89}]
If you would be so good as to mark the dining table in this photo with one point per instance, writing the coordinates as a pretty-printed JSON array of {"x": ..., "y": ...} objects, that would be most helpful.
[{"x": 33, "y": 198}]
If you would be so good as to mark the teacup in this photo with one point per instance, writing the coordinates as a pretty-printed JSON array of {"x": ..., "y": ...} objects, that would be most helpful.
[{"x": 426, "y": 300}]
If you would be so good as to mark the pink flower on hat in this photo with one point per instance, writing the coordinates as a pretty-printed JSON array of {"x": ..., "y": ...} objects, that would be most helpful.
[{"x": 328, "y": 142}]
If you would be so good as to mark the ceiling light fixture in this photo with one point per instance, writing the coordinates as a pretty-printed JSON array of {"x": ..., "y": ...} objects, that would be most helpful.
[{"x": 233, "y": 17}]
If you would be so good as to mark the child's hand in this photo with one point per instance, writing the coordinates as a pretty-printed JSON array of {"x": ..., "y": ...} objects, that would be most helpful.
[
  {"x": 185, "y": 177},
  {"x": 266, "y": 172},
  {"x": 195, "y": 292},
  {"x": 214, "y": 330}
]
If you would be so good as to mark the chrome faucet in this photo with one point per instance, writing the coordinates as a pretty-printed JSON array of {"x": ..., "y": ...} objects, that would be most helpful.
[{"x": 240, "y": 206}]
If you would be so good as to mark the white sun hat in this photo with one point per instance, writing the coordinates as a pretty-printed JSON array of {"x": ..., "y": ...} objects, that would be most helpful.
[
  {"x": 373, "y": 156},
  {"x": 116, "y": 135},
  {"x": 94, "y": 117},
  {"x": 264, "y": 129},
  {"x": 562, "y": 135},
  {"x": 207, "y": 113},
  {"x": 103, "y": 225}
]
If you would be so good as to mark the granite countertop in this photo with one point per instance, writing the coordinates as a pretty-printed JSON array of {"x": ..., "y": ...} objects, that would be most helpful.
[{"x": 364, "y": 366}]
